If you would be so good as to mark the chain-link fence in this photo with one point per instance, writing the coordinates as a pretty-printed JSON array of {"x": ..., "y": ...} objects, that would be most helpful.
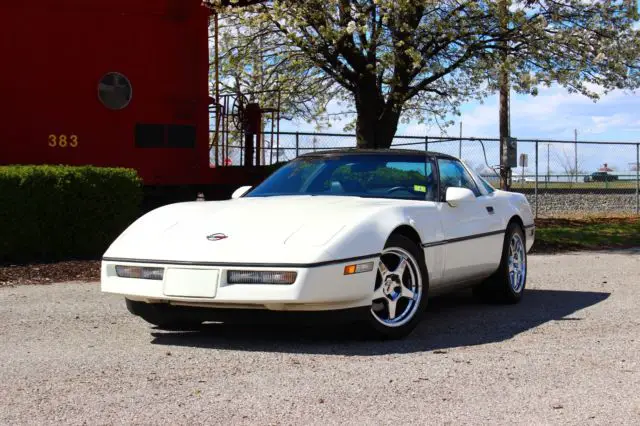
[
  {"x": 558, "y": 177},
  {"x": 569, "y": 177}
]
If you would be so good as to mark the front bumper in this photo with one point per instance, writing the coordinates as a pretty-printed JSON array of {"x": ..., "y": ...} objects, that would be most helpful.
[
  {"x": 315, "y": 288},
  {"x": 198, "y": 314}
]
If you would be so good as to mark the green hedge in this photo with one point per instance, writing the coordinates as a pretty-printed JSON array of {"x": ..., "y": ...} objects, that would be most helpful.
[{"x": 59, "y": 212}]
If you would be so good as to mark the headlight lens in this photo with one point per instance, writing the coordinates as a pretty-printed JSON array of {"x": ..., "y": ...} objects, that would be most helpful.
[
  {"x": 140, "y": 272},
  {"x": 261, "y": 277}
]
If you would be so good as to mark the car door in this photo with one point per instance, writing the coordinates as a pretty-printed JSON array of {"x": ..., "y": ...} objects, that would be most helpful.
[
  {"x": 425, "y": 217},
  {"x": 473, "y": 231}
]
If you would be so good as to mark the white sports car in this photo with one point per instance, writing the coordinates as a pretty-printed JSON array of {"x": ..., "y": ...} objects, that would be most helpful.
[{"x": 367, "y": 236}]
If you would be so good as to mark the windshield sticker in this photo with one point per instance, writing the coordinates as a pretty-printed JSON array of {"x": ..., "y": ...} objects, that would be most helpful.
[{"x": 419, "y": 188}]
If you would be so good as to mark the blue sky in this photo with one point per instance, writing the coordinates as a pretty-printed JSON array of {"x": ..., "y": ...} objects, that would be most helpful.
[{"x": 553, "y": 114}]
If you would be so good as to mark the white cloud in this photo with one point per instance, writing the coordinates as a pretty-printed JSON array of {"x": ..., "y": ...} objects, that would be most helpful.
[{"x": 554, "y": 114}]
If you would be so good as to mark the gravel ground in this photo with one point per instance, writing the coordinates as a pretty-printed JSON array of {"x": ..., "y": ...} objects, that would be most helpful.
[
  {"x": 48, "y": 273},
  {"x": 569, "y": 354}
]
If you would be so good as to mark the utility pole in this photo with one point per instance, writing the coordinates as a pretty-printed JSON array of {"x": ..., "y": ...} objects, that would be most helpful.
[
  {"x": 505, "y": 124},
  {"x": 575, "y": 153},
  {"x": 460, "y": 143}
]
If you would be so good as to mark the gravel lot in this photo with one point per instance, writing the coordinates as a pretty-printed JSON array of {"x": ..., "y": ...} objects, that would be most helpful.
[{"x": 569, "y": 354}]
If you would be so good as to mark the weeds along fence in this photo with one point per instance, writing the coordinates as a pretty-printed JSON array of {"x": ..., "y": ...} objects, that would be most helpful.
[{"x": 559, "y": 177}]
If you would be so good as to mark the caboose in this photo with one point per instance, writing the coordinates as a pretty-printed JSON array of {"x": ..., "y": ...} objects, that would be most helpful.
[{"x": 119, "y": 83}]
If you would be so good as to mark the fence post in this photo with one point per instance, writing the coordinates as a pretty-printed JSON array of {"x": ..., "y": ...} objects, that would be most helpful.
[
  {"x": 297, "y": 144},
  {"x": 426, "y": 143},
  {"x": 638, "y": 179},
  {"x": 536, "y": 183}
]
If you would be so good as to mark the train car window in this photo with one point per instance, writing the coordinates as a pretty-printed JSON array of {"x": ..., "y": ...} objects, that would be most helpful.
[
  {"x": 150, "y": 135},
  {"x": 181, "y": 136},
  {"x": 114, "y": 91}
]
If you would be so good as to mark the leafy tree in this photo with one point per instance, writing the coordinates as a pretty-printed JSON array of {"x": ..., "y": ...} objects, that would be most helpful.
[
  {"x": 420, "y": 59},
  {"x": 256, "y": 60},
  {"x": 567, "y": 160}
]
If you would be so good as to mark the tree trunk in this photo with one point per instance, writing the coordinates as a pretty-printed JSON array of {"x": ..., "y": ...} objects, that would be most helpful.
[
  {"x": 377, "y": 122},
  {"x": 505, "y": 120}
]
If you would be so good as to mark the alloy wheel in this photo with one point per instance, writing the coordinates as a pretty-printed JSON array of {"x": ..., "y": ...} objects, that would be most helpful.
[
  {"x": 517, "y": 263},
  {"x": 398, "y": 288}
]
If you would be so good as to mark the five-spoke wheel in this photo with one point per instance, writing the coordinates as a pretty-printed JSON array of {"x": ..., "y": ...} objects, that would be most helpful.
[
  {"x": 507, "y": 284},
  {"x": 517, "y": 263},
  {"x": 399, "y": 293},
  {"x": 398, "y": 287}
]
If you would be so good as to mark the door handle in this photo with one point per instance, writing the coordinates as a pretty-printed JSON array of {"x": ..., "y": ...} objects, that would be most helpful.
[{"x": 490, "y": 209}]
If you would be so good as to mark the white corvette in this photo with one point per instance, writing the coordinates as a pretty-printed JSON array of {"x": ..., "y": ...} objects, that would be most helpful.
[{"x": 366, "y": 235}]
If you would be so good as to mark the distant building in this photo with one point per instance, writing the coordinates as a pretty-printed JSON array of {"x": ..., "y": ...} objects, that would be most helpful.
[{"x": 605, "y": 168}]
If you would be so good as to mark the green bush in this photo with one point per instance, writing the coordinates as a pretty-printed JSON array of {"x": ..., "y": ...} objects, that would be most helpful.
[{"x": 58, "y": 212}]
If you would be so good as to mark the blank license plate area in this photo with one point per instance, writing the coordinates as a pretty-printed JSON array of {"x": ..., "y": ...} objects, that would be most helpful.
[{"x": 191, "y": 282}]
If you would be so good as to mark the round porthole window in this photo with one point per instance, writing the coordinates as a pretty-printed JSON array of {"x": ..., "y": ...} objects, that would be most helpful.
[{"x": 114, "y": 91}]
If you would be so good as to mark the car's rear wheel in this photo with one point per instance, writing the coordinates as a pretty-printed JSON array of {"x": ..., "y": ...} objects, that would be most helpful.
[
  {"x": 162, "y": 316},
  {"x": 400, "y": 289},
  {"x": 508, "y": 283}
]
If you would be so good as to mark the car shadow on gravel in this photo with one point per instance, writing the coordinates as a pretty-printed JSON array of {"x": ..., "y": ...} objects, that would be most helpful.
[{"x": 451, "y": 321}]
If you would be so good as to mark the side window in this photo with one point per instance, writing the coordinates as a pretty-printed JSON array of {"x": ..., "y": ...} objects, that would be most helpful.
[
  {"x": 487, "y": 186},
  {"x": 453, "y": 173}
]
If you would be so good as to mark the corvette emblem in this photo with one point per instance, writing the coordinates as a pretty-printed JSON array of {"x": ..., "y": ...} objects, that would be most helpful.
[{"x": 216, "y": 237}]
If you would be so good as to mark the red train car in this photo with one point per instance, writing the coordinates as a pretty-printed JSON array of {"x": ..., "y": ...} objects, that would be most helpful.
[{"x": 109, "y": 83}]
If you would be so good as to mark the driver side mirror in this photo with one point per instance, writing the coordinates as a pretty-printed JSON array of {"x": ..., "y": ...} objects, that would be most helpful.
[
  {"x": 240, "y": 192},
  {"x": 455, "y": 196}
]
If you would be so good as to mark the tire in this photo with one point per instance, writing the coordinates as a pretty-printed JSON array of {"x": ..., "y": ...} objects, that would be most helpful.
[
  {"x": 394, "y": 314},
  {"x": 162, "y": 317},
  {"x": 500, "y": 288}
]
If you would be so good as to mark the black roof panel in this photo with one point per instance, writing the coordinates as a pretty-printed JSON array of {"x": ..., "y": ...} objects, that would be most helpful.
[{"x": 386, "y": 151}]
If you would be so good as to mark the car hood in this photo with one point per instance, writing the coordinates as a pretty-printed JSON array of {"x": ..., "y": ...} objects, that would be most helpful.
[{"x": 284, "y": 229}]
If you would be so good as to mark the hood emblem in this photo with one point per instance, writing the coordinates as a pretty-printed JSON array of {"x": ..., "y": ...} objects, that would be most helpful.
[{"x": 216, "y": 237}]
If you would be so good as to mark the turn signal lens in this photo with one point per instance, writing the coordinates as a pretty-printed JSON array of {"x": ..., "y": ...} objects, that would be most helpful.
[
  {"x": 140, "y": 272},
  {"x": 358, "y": 268},
  {"x": 261, "y": 277}
]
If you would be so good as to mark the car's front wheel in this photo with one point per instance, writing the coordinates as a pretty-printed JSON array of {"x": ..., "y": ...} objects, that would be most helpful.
[{"x": 400, "y": 289}]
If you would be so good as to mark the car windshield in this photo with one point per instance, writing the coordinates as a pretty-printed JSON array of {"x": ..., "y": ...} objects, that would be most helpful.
[{"x": 376, "y": 175}]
